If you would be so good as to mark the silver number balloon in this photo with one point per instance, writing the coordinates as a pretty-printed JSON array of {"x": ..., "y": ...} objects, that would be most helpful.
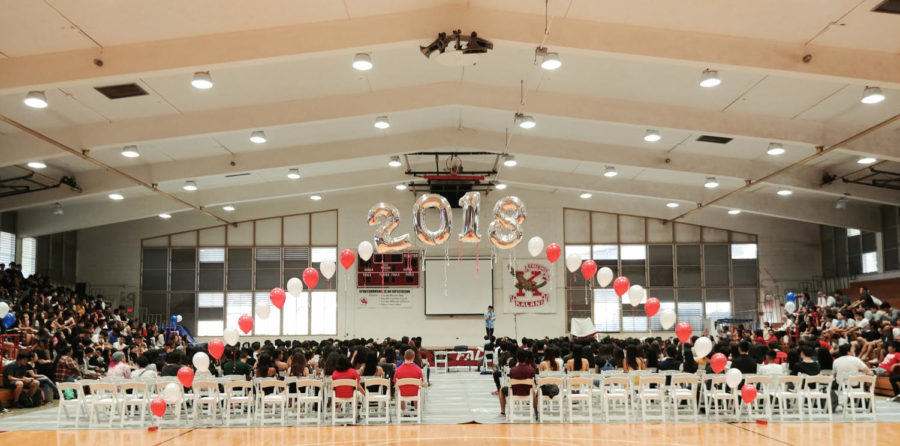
[
  {"x": 471, "y": 204},
  {"x": 505, "y": 230},
  {"x": 429, "y": 201},
  {"x": 389, "y": 218}
]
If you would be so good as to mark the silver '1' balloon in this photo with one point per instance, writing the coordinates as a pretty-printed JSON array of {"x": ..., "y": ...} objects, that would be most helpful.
[
  {"x": 471, "y": 204},
  {"x": 429, "y": 201},
  {"x": 505, "y": 230},
  {"x": 390, "y": 218}
]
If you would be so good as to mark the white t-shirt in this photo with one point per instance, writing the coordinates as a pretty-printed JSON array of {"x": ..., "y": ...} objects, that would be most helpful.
[
  {"x": 770, "y": 369},
  {"x": 848, "y": 365},
  {"x": 830, "y": 301}
]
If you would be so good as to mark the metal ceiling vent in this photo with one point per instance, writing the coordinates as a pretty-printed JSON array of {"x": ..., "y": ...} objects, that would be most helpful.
[
  {"x": 888, "y": 6},
  {"x": 122, "y": 91},
  {"x": 714, "y": 139}
]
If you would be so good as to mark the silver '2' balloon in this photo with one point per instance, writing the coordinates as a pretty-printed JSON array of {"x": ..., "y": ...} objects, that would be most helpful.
[
  {"x": 390, "y": 218},
  {"x": 429, "y": 201},
  {"x": 505, "y": 230},
  {"x": 471, "y": 204}
]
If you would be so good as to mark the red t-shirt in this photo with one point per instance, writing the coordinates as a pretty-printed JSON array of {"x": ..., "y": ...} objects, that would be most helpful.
[
  {"x": 344, "y": 392},
  {"x": 521, "y": 371},
  {"x": 889, "y": 360},
  {"x": 408, "y": 371}
]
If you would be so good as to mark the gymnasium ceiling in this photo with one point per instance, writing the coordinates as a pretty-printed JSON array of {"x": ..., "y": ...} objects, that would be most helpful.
[{"x": 284, "y": 67}]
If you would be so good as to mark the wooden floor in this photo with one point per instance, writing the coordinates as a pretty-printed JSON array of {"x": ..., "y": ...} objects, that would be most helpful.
[{"x": 712, "y": 434}]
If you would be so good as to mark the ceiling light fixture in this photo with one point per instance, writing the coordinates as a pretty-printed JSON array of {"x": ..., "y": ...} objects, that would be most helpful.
[
  {"x": 586, "y": 195},
  {"x": 362, "y": 62},
  {"x": 509, "y": 161},
  {"x": 190, "y": 186},
  {"x": 775, "y": 149},
  {"x": 710, "y": 78},
  {"x": 202, "y": 80},
  {"x": 549, "y": 60},
  {"x": 315, "y": 197},
  {"x": 872, "y": 95},
  {"x": 866, "y": 160},
  {"x": 130, "y": 152},
  {"x": 116, "y": 196},
  {"x": 294, "y": 173},
  {"x": 57, "y": 209},
  {"x": 36, "y": 99},
  {"x": 525, "y": 121},
  {"x": 711, "y": 183},
  {"x": 400, "y": 186},
  {"x": 610, "y": 172},
  {"x": 652, "y": 135},
  {"x": 841, "y": 203},
  {"x": 258, "y": 137},
  {"x": 395, "y": 161},
  {"x": 37, "y": 164},
  {"x": 165, "y": 216},
  {"x": 382, "y": 122},
  {"x": 500, "y": 186},
  {"x": 228, "y": 208},
  {"x": 672, "y": 204},
  {"x": 734, "y": 212},
  {"x": 785, "y": 192}
]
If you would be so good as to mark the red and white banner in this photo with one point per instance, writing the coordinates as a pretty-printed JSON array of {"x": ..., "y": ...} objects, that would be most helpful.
[{"x": 527, "y": 287}]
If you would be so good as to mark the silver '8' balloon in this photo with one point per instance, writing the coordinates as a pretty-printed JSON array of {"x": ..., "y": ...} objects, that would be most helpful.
[{"x": 506, "y": 231}]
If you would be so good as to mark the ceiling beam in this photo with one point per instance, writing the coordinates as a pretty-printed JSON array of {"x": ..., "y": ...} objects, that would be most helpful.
[{"x": 254, "y": 46}]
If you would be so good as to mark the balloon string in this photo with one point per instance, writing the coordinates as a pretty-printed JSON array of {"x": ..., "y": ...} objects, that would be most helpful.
[
  {"x": 459, "y": 253},
  {"x": 476, "y": 259}
]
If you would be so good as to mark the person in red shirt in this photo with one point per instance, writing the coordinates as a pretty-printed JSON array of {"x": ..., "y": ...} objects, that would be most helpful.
[
  {"x": 343, "y": 370},
  {"x": 521, "y": 371},
  {"x": 408, "y": 369},
  {"x": 890, "y": 363}
]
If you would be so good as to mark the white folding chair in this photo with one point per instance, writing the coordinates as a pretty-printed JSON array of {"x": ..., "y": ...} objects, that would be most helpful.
[
  {"x": 579, "y": 396},
  {"x": 817, "y": 395},
  {"x": 550, "y": 408},
  {"x": 861, "y": 389},
  {"x": 788, "y": 395},
  {"x": 77, "y": 402},
  {"x": 442, "y": 361},
  {"x": 520, "y": 407},
  {"x": 103, "y": 396},
  {"x": 762, "y": 404},
  {"x": 133, "y": 395},
  {"x": 377, "y": 400},
  {"x": 616, "y": 389},
  {"x": 276, "y": 398},
  {"x": 309, "y": 400},
  {"x": 238, "y": 395},
  {"x": 652, "y": 389},
  {"x": 207, "y": 401},
  {"x": 683, "y": 389},
  {"x": 719, "y": 393},
  {"x": 404, "y": 412},
  {"x": 346, "y": 404},
  {"x": 289, "y": 382}
]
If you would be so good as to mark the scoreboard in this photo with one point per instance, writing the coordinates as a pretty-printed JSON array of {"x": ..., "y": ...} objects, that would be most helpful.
[{"x": 389, "y": 270}]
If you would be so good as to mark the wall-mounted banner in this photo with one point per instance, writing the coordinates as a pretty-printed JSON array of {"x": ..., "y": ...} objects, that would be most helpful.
[
  {"x": 527, "y": 288},
  {"x": 384, "y": 298}
]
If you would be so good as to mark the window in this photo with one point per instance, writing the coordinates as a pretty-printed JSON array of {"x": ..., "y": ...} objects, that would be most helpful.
[
  {"x": 211, "y": 307},
  {"x": 237, "y": 304},
  {"x": 634, "y": 252},
  {"x": 272, "y": 325},
  {"x": 851, "y": 232},
  {"x": 7, "y": 248},
  {"x": 690, "y": 307},
  {"x": 324, "y": 313},
  {"x": 583, "y": 251},
  {"x": 743, "y": 251},
  {"x": 718, "y": 303},
  {"x": 29, "y": 256},
  {"x": 870, "y": 262},
  {"x": 296, "y": 315},
  {"x": 634, "y": 318},
  {"x": 606, "y": 252},
  {"x": 606, "y": 310}
]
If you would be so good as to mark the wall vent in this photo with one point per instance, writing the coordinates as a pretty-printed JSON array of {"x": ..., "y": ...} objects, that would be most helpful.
[
  {"x": 237, "y": 175},
  {"x": 714, "y": 139},
  {"x": 121, "y": 91}
]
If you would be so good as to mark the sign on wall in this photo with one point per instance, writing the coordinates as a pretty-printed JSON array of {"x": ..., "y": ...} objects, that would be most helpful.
[
  {"x": 527, "y": 287},
  {"x": 387, "y": 298}
]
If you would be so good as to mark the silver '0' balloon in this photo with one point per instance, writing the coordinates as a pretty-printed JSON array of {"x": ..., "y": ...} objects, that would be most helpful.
[
  {"x": 425, "y": 202},
  {"x": 505, "y": 230},
  {"x": 390, "y": 218},
  {"x": 471, "y": 204}
]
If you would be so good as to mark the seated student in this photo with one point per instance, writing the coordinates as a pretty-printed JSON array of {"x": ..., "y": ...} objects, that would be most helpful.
[
  {"x": 343, "y": 370},
  {"x": 771, "y": 367},
  {"x": 846, "y": 364},
  {"x": 118, "y": 367},
  {"x": 521, "y": 371},
  {"x": 891, "y": 361},
  {"x": 145, "y": 369},
  {"x": 806, "y": 366},
  {"x": 15, "y": 378},
  {"x": 408, "y": 369},
  {"x": 670, "y": 362},
  {"x": 173, "y": 362},
  {"x": 550, "y": 364}
]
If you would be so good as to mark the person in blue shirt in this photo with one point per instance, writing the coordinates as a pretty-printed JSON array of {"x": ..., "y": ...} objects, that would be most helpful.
[{"x": 489, "y": 318}]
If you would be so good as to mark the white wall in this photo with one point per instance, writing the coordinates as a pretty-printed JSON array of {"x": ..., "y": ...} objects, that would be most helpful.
[{"x": 788, "y": 253}]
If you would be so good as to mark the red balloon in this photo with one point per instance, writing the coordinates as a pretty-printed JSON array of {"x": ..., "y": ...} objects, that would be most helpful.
[
  {"x": 748, "y": 393},
  {"x": 347, "y": 258},
  {"x": 216, "y": 348},
  {"x": 186, "y": 376},
  {"x": 158, "y": 406},
  {"x": 621, "y": 285},
  {"x": 277, "y": 297},
  {"x": 245, "y": 323},
  {"x": 553, "y": 252},
  {"x": 588, "y": 269},
  {"x": 683, "y": 331},
  {"x": 310, "y": 277},
  {"x": 651, "y": 307},
  {"x": 717, "y": 362}
]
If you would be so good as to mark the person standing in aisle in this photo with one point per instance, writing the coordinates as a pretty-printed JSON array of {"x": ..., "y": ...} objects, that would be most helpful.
[{"x": 489, "y": 318}]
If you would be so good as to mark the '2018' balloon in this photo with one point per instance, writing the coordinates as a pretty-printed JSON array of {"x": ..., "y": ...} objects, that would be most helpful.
[
  {"x": 442, "y": 233},
  {"x": 505, "y": 231},
  {"x": 471, "y": 205},
  {"x": 386, "y": 217}
]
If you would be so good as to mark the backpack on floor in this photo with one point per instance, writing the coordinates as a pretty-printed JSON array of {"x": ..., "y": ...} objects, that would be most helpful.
[{"x": 25, "y": 400}]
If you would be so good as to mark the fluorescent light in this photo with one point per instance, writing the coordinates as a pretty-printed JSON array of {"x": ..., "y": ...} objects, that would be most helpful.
[
  {"x": 362, "y": 62},
  {"x": 872, "y": 95},
  {"x": 785, "y": 192},
  {"x": 130, "y": 152},
  {"x": 116, "y": 196},
  {"x": 395, "y": 161},
  {"x": 294, "y": 173},
  {"x": 652, "y": 136},
  {"x": 382, "y": 122},
  {"x": 586, "y": 195},
  {"x": 866, "y": 160},
  {"x": 165, "y": 216},
  {"x": 228, "y": 208},
  {"x": 258, "y": 137},
  {"x": 190, "y": 186},
  {"x": 202, "y": 80},
  {"x": 841, "y": 203},
  {"x": 551, "y": 61},
  {"x": 734, "y": 212},
  {"x": 36, "y": 99},
  {"x": 37, "y": 164},
  {"x": 400, "y": 186},
  {"x": 711, "y": 183},
  {"x": 610, "y": 172},
  {"x": 710, "y": 78},
  {"x": 500, "y": 186},
  {"x": 315, "y": 197},
  {"x": 672, "y": 204},
  {"x": 57, "y": 209},
  {"x": 775, "y": 149},
  {"x": 509, "y": 161},
  {"x": 525, "y": 121}
]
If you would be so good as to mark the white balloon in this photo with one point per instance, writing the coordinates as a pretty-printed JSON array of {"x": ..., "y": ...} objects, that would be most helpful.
[
  {"x": 733, "y": 377},
  {"x": 263, "y": 309},
  {"x": 365, "y": 250},
  {"x": 790, "y": 307},
  {"x": 4, "y": 309},
  {"x": 667, "y": 318},
  {"x": 327, "y": 268},
  {"x": 172, "y": 393},
  {"x": 702, "y": 347},
  {"x": 201, "y": 361},
  {"x": 635, "y": 295},
  {"x": 178, "y": 318},
  {"x": 604, "y": 276},
  {"x": 294, "y": 286},
  {"x": 535, "y": 246},
  {"x": 573, "y": 262},
  {"x": 231, "y": 336}
]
